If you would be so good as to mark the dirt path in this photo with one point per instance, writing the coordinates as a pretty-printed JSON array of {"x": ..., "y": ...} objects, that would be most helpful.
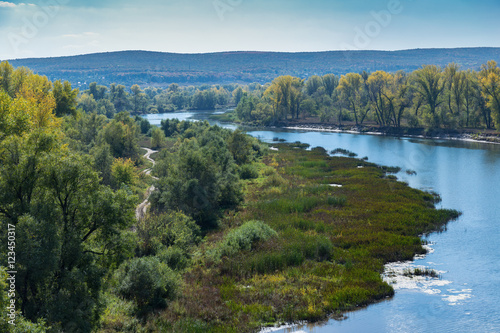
[{"x": 141, "y": 210}]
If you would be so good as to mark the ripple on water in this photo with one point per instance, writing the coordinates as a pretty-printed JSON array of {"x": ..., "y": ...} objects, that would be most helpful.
[{"x": 394, "y": 274}]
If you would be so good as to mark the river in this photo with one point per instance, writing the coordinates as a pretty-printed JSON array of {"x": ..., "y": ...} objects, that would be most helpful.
[{"x": 466, "y": 297}]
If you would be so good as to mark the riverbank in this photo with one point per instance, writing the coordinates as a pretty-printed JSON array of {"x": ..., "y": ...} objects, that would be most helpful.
[
  {"x": 326, "y": 255},
  {"x": 313, "y": 124},
  {"x": 421, "y": 133}
]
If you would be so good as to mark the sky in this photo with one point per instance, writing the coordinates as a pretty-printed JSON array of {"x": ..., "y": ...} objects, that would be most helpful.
[{"x": 49, "y": 28}]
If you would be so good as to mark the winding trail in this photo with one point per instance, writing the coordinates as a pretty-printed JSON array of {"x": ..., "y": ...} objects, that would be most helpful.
[{"x": 141, "y": 210}]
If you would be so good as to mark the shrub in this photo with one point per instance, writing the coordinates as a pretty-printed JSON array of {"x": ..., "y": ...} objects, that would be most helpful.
[
  {"x": 147, "y": 281},
  {"x": 119, "y": 315},
  {"x": 174, "y": 257},
  {"x": 248, "y": 171},
  {"x": 157, "y": 232},
  {"x": 274, "y": 180},
  {"x": 242, "y": 238}
]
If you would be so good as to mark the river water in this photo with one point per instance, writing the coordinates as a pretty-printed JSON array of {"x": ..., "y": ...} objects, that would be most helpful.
[{"x": 466, "y": 297}]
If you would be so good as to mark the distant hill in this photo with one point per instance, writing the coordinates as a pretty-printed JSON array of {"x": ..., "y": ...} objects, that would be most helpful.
[{"x": 161, "y": 69}]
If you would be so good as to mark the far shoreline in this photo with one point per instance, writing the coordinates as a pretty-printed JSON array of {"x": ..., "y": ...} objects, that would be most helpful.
[{"x": 464, "y": 136}]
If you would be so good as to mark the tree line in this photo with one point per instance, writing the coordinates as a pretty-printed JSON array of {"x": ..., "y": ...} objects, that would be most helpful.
[
  {"x": 430, "y": 97},
  {"x": 117, "y": 98}
]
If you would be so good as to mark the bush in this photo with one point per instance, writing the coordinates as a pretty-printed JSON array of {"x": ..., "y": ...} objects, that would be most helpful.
[
  {"x": 248, "y": 171},
  {"x": 158, "y": 232},
  {"x": 242, "y": 238},
  {"x": 119, "y": 315},
  {"x": 174, "y": 257},
  {"x": 274, "y": 180},
  {"x": 148, "y": 282}
]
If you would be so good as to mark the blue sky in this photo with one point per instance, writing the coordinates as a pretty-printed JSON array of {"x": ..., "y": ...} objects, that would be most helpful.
[{"x": 33, "y": 28}]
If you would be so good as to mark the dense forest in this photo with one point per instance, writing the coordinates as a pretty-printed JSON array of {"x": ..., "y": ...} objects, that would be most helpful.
[
  {"x": 69, "y": 186},
  {"x": 161, "y": 69},
  {"x": 237, "y": 236},
  {"x": 70, "y": 182}
]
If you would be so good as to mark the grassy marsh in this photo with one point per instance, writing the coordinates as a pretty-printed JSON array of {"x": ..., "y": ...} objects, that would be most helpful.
[{"x": 318, "y": 251}]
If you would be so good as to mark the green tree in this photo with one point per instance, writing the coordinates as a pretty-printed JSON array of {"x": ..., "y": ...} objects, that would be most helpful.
[
  {"x": 138, "y": 99},
  {"x": 490, "y": 83},
  {"x": 119, "y": 97},
  {"x": 158, "y": 138},
  {"x": 245, "y": 107},
  {"x": 97, "y": 91},
  {"x": 159, "y": 232},
  {"x": 6, "y": 72},
  {"x": 240, "y": 146},
  {"x": 238, "y": 94},
  {"x": 122, "y": 136},
  {"x": 105, "y": 107},
  {"x": 65, "y": 98},
  {"x": 350, "y": 86},
  {"x": 430, "y": 85},
  {"x": 123, "y": 172},
  {"x": 471, "y": 87},
  {"x": 308, "y": 107},
  {"x": 313, "y": 84},
  {"x": 103, "y": 161},
  {"x": 284, "y": 95},
  {"x": 67, "y": 223},
  {"x": 330, "y": 82},
  {"x": 378, "y": 88},
  {"x": 199, "y": 179},
  {"x": 87, "y": 103},
  {"x": 174, "y": 87},
  {"x": 205, "y": 100}
]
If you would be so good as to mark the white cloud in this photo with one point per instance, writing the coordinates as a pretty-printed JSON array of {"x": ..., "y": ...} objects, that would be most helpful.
[
  {"x": 82, "y": 35},
  {"x": 4, "y": 4},
  {"x": 92, "y": 46}
]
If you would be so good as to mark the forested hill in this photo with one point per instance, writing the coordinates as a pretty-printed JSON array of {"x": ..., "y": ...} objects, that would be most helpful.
[{"x": 160, "y": 69}]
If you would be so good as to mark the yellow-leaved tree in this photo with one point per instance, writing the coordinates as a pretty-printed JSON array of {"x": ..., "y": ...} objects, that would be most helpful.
[
  {"x": 26, "y": 102},
  {"x": 490, "y": 82}
]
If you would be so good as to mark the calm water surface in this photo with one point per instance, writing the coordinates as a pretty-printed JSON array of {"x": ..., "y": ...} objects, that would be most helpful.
[{"x": 467, "y": 254}]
